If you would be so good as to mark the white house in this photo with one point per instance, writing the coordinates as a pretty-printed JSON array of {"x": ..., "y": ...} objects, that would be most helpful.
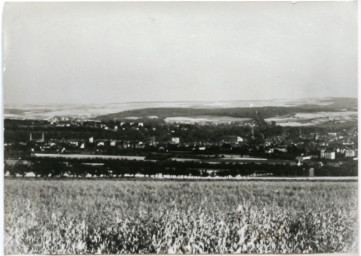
[
  {"x": 175, "y": 140},
  {"x": 330, "y": 155},
  {"x": 350, "y": 153},
  {"x": 239, "y": 139}
]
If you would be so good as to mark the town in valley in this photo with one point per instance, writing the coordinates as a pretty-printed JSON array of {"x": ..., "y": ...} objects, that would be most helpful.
[{"x": 306, "y": 140}]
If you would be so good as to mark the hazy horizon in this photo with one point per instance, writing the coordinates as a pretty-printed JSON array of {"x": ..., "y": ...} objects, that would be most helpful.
[
  {"x": 180, "y": 101},
  {"x": 127, "y": 52}
]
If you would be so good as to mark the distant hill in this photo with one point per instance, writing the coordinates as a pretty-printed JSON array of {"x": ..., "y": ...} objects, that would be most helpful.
[
  {"x": 337, "y": 104},
  {"x": 237, "y": 109}
]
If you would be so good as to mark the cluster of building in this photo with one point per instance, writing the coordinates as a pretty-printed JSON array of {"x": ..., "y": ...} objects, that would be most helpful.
[
  {"x": 303, "y": 146},
  {"x": 312, "y": 146}
]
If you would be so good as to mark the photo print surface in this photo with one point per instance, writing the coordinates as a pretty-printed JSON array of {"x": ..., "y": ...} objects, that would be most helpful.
[{"x": 180, "y": 127}]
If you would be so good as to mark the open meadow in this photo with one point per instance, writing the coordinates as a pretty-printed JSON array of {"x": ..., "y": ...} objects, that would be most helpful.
[{"x": 153, "y": 216}]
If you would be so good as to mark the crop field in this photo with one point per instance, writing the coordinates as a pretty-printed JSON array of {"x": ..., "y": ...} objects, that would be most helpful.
[
  {"x": 308, "y": 119},
  {"x": 205, "y": 119},
  {"x": 153, "y": 216}
]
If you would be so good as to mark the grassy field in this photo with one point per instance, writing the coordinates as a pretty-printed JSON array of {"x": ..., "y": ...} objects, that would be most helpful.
[{"x": 140, "y": 216}]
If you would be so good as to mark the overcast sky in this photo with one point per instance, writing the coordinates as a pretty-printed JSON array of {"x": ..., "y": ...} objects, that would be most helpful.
[{"x": 178, "y": 51}]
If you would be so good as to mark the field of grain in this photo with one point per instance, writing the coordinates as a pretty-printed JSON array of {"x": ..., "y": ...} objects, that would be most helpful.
[
  {"x": 317, "y": 118},
  {"x": 144, "y": 216},
  {"x": 205, "y": 119}
]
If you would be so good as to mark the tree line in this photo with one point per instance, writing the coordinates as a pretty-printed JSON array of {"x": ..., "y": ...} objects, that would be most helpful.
[{"x": 49, "y": 167}]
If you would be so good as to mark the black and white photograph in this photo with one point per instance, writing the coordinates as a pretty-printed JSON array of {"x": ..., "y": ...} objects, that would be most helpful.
[{"x": 222, "y": 127}]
